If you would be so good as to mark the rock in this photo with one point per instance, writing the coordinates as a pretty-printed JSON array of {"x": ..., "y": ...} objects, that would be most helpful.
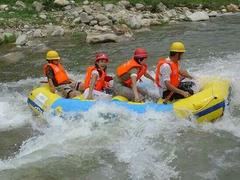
[
  {"x": 9, "y": 37},
  {"x": 58, "y": 31},
  {"x": 223, "y": 10},
  {"x": 101, "y": 38},
  {"x": 61, "y": 2},
  {"x": 68, "y": 7},
  {"x": 161, "y": 7},
  {"x": 84, "y": 17},
  {"x": 108, "y": 7},
  {"x": 43, "y": 16},
  {"x": 38, "y": 6},
  {"x": 212, "y": 14},
  {"x": 93, "y": 23},
  {"x": 171, "y": 13},
  {"x": 13, "y": 57},
  {"x": 37, "y": 33},
  {"x": 77, "y": 20},
  {"x": 97, "y": 7},
  {"x": 198, "y": 16},
  {"x": 86, "y": 2},
  {"x": 87, "y": 9},
  {"x": 125, "y": 4},
  {"x": 146, "y": 22},
  {"x": 4, "y": 7},
  {"x": 20, "y": 4},
  {"x": 21, "y": 40},
  {"x": 139, "y": 7},
  {"x": 121, "y": 29},
  {"x": 232, "y": 8},
  {"x": 134, "y": 21},
  {"x": 1, "y": 38},
  {"x": 102, "y": 28}
]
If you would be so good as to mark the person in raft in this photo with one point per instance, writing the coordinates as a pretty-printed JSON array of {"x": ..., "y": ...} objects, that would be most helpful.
[
  {"x": 58, "y": 79},
  {"x": 129, "y": 73},
  {"x": 97, "y": 80},
  {"x": 169, "y": 74}
]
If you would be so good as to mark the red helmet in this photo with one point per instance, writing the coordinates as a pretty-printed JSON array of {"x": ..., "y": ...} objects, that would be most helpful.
[
  {"x": 101, "y": 56},
  {"x": 140, "y": 53}
]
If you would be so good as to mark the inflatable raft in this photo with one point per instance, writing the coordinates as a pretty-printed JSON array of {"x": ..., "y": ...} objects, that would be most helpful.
[{"x": 206, "y": 105}]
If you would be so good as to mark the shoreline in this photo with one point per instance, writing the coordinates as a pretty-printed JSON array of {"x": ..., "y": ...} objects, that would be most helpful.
[{"x": 100, "y": 22}]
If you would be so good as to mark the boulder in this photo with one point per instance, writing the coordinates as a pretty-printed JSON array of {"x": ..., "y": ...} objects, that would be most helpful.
[
  {"x": 212, "y": 14},
  {"x": 1, "y": 38},
  {"x": 139, "y": 7},
  {"x": 84, "y": 17},
  {"x": 86, "y": 2},
  {"x": 134, "y": 21},
  {"x": 101, "y": 38},
  {"x": 232, "y": 8},
  {"x": 198, "y": 16},
  {"x": 37, "y": 33},
  {"x": 21, "y": 40},
  {"x": 161, "y": 7},
  {"x": 125, "y": 4},
  {"x": 121, "y": 29},
  {"x": 87, "y": 9},
  {"x": 61, "y": 2},
  {"x": 20, "y": 4},
  {"x": 13, "y": 57},
  {"x": 108, "y": 7},
  {"x": 58, "y": 31},
  {"x": 38, "y": 6},
  {"x": 9, "y": 37},
  {"x": 4, "y": 7}
]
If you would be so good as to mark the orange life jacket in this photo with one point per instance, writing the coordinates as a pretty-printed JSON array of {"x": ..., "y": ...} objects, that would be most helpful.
[
  {"x": 174, "y": 77},
  {"x": 60, "y": 74},
  {"x": 127, "y": 66},
  {"x": 100, "y": 83}
]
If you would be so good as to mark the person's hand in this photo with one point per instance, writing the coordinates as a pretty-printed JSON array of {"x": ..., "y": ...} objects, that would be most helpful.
[
  {"x": 90, "y": 97},
  {"x": 186, "y": 94},
  {"x": 137, "y": 99}
]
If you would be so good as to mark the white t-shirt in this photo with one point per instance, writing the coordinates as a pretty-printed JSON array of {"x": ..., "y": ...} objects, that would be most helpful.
[
  {"x": 95, "y": 72},
  {"x": 165, "y": 72}
]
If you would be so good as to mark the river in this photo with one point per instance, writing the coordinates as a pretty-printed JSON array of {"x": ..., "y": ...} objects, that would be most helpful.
[{"x": 109, "y": 143}]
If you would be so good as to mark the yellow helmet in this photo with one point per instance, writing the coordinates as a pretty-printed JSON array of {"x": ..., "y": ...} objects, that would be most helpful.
[
  {"x": 52, "y": 55},
  {"x": 177, "y": 47}
]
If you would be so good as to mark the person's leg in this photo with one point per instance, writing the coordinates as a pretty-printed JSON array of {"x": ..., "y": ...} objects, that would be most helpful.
[
  {"x": 67, "y": 91},
  {"x": 146, "y": 95},
  {"x": 187, "y": 86},
  {"x": 97, "y": 95},
  {"x": 127, "y": 92}
]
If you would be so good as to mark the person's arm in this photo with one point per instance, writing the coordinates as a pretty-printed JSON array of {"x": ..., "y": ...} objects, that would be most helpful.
[
  {"x": 172, "y": 88},
  {"x": 92, "y": 85},
  {"x": 50, "y": 76},
  {"x": 185, "y": 74},
  {"x": 51, "y": 85},
  {"x": 134, "y": 88},
  {"x": 147, "y": 75}
]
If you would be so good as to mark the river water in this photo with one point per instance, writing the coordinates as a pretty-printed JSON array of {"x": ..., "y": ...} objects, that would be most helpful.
[{"x": 112, "y": 143}]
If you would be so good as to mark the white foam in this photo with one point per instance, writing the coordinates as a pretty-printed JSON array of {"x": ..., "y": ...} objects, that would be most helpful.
[{"x": 146, "y": 143}]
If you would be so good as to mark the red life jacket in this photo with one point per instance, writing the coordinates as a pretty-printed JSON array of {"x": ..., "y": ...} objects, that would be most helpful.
[
  {"x": 174, "y": 77},
  {"x": 60, "y": 74},
  {"x": 100, "y": 83},
  {"x": 127, "y": 66}
]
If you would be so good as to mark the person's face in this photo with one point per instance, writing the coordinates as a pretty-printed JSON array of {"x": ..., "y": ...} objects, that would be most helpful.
[
  {"x": 56, "y": 61},
  {"x": 179, "y": 55},
  {"x": 142, "y": 61},
  {"x": 102, "y": 63}
]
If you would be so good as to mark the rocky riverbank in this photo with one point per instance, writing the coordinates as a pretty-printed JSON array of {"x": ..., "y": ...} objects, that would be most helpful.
[{"x": 101, "y": 22}]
